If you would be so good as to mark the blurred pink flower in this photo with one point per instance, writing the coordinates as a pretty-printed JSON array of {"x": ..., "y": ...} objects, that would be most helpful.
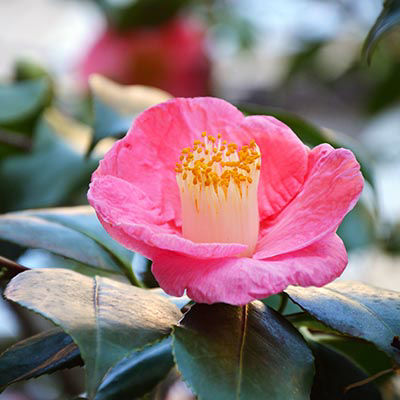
[
  {"x": 233, "y": 225},
  {"x": 171, "y": 57}
]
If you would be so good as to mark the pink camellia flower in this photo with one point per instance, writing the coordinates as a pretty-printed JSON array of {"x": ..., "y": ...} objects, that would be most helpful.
[
  {"x": 230, "y": 208},
  {"x": 171, "y": 57}
]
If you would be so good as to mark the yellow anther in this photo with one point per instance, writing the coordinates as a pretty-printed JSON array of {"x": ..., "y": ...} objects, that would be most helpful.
[{"x": 215, "y": 165}]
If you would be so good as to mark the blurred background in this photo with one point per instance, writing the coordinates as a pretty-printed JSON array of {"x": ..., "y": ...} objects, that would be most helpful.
[{"x": 300, "y": 60}]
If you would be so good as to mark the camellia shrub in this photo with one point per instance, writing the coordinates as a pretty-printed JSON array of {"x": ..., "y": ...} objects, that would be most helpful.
[{"x": 237, "y": 219}]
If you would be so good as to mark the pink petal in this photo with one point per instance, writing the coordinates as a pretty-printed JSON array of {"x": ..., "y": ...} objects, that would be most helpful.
[
  {"x": 330, "y": 191},
  {"x": 131, "y": 217},
  {"x": 238, "y": 281},
  {"x": 284, "y": 161},
  {"x": 147, "y": 155}
]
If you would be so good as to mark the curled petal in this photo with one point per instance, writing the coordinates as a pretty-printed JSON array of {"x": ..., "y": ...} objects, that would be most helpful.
[
  {"x": 238, "y": 281},
  {"x": 331, "y": 190}
]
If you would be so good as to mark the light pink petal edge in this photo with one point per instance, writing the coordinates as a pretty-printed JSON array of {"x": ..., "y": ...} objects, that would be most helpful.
[
  {"x": 331, "y": 190},
  {"x": 238, "y": 281}
]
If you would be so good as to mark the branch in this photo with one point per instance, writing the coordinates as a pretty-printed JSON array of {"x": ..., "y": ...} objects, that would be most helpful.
[
  {"x": 15, "y": 139},
  {"x": 9, "y": 268}
]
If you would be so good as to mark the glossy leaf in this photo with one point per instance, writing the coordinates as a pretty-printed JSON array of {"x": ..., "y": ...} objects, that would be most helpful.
[
  {"x": 83, "y": 219},
  {"x": 32, "y": 231},
  {"x": 386, "y": 22},
  {"x": 334, "y": 373},
  {"x": 362, "y": 353},
  {"x": 38, "y": 258},
  {"x": 107, "y": 319},
  {"x": 38, "y": 355},
  {"x": 48, "y": 176},
  {"x": 137, "y": 374},
  {"x": 356, "y": 309},
  {"x": 249, "y": 352}
]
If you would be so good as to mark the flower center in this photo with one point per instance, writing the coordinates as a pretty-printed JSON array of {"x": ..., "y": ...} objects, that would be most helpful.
[{"x": 218, "y": 185}]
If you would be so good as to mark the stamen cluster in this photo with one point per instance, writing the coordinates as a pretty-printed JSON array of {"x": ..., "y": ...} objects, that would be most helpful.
[{"x": 218, "y": 163}]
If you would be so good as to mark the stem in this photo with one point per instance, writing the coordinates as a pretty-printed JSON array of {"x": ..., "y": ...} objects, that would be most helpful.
[
  {"x": 15, "y": 139},
  {"x": 368, "y": 380},
  {"x": 9, "y": 268}
]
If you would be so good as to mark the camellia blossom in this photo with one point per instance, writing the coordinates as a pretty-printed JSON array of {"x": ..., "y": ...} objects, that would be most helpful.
[
  {"x": 229, "y": 208},
  {"x": 171, "y": 57}
]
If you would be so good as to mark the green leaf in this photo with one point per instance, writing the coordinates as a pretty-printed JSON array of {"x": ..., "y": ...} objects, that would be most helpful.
[
  {"x": 362, "y": 353},
  {"x": 48, "y": 176},
  {"x": 107, "y": 319},
  {"x": 83, "y": 219},
  {"x": 386, "y": 22},
  {"x": 355, "y": 309},
  {"x": 248, "y": 352},
  {"x": 334, "y": 373},
  {"x": 128, "y": 14},
  {"x": 32, "y": 231},
  {"x": 22, "y": 102},
  {"x": 41, "y": 354},
  {"x": 313, "y": 135},
  {"x": 137, "y": 374}
]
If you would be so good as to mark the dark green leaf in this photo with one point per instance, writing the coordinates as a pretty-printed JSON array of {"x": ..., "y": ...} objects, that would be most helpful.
[
  {"x": 356, "y": 309},
  {"x": 25, "y": 69},
  {"x": 387, "y": 21},
  {"x": 334, "y": 373},
  {"x": 137, "y": 374},
  {"x": 362, "y": 353},
  {"x": 46, "y": 177},
  {"x": 249, "y": 352},
  {"x": 40, "y": 354},
  {"x": 304, "y": 319},
  {"x": 131, "y": 13},
  {"x": 22, "y": 102},
  {"x": 107, "y": 319},
  {"x": 281, "y": 302}
]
